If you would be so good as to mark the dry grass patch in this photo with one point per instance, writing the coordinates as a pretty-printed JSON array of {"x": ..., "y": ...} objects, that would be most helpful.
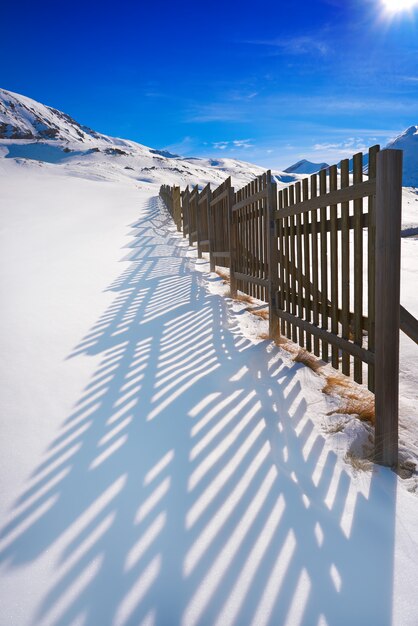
[
  {"x": 223, "y": 275},
  {"x": 308, "y": 359},
  {"x": 286, "y": 344},
  {"x": 362, "y": 407},
  {"x": 263, "y": 313},
  {"x": 356, "y": 401},
  {"x": 242, "y": 297},
  {"x": 281, "y": 340}
]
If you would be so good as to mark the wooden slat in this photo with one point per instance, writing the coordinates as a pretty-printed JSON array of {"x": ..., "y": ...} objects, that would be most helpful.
[
  {"x": 358, "y": 266},
  {"x": 308, "y": 229},
  {"x": 256, "y": 196},
  {"x": 334, "y": 266},
  {"x": 221, "y": 196},
  {"x": 252, "y": 279},
  {"x": 388, "y": 265},
  {"x": 324, "y": 262},
  {"x": 306, "y": 264},
  {"x": 282, "y": 282},
  {"x": 408, "y": 324},
  {"x": 288, "y": 331},
  {"x": 358, "y": 191},
  {"x": 299, "y": 257},
  {"x": 232, "y": 242},
  {"x": 315, "y": 264},
  {"x": 345, "y": 267},
  {"x": 251, "y": 229},
  {"x": 293, "y": 284},
  {"x": 371, "y": 265},
  {"x": 273, "y": 256},
  {"x": 258, "y": 246}
]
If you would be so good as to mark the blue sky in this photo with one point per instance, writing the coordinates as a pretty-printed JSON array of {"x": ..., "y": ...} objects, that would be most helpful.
[{"x": 267, "y": 82}]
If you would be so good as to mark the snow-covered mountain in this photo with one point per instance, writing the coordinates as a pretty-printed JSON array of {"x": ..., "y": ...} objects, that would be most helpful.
[
  {"x": 31, "y": 130},
  {"x": 305, "y": 167},
  {"x": 34, "y": 131},
  {"x": 408, "y": 142}
]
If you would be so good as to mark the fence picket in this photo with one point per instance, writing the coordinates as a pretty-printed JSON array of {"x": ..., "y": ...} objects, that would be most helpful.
[{"x": 358, "y": 266}]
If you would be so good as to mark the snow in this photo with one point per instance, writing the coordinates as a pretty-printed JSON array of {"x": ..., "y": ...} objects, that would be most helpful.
[
  {"x": 31, "y": 130},
  {"x": 408, "y": 142},
  {"x": 160, "y": 463}
]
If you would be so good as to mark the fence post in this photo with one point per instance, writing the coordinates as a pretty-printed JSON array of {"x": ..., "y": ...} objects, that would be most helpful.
[
  {"x": 185, "y": 210},
  {"x": 232, "y": 242},
  {"x": 387, "y": 294},
  {"x": 198, "y": 227},
  {"x": 177, "y": 207},
  {"x": 272, "y": 256}
]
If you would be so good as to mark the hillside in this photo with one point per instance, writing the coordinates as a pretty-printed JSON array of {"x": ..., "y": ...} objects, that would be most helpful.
[
  {"x": 408, "y": 142},
  {"x": 33, "y": 131}
]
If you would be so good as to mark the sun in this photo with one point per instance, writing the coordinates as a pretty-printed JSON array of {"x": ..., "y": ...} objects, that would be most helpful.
[{"x": 396, "y": 6}]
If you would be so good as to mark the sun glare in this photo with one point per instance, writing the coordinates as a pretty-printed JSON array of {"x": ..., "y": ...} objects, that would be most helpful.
[{"x": 395, "y": 6}]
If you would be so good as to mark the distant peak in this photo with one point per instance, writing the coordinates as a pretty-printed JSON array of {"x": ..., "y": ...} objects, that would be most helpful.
[{"x": 305, "y": 167}]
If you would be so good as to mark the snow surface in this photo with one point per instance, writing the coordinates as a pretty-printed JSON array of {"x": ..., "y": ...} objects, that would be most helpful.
[
  {"x": 408, "y": 142},
  {"x": 160, "y": 464},
  {"x": 34, "y": 131}
]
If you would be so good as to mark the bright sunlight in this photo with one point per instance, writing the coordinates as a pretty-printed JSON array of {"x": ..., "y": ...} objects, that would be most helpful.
[{"x": 395, "y": 6}]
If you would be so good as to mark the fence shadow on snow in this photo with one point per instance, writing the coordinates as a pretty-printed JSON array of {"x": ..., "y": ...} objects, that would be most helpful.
[{"x": 189, "y": 485}]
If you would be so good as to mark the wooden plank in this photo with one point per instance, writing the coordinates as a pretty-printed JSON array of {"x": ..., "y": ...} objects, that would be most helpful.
[
  {"x": 282, "y": 282},
  {"x": 250, "y": 198},
  {"x": 306, "y": 264},
  {"x": 358, "y": 266},
  {"x": 288, "y": 331},
  {"x": 307, "y": 229},
  {"x": 232, "y": 242},
  {"x": 324, "y": 262},
  {"x": 252, "y": 240},
  {"x": 186, "y": 211},
  {"x": 211, "y": 232},
  {"x": 326, "y": 336},
  {"x": 257, "y": 245},
  {"x": 299, "y": 257},
  {"x": 221, "y": 196},
  {"x": 334, "y": 266},
  {"x": 252, "y": 279},
  {"x": 388, "y": 259},
  {"x": 315, "y": 264},
  {"x": 345, "y": 267},
  {"x": 366, "y": 188},
  {"x": 293, "y": 284},
  {"x": 408, "y": 324},
  {"x": 273, "y": 257},
  {"x": 371, "y": 265}
]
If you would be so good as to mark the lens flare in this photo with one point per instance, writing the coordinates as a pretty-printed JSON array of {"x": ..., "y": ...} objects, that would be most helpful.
[{"x": 396, "y": 6}]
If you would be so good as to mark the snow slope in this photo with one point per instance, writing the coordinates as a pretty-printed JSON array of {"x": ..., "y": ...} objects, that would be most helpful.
[
  {"x": 408, "y": 142},
  {"x": 31, "y": 130},
  {"x": 159, "y": 464}
]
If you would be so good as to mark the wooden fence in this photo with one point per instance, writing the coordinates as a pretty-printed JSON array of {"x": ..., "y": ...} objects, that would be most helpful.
[{"x": 324, "y": 253}]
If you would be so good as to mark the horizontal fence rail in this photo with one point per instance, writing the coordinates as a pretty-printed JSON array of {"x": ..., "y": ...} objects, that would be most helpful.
[{"x": 324, "y": 253}]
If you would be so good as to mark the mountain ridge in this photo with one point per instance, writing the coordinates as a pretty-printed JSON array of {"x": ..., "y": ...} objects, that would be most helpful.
[{"x": 34, "y": 131}]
